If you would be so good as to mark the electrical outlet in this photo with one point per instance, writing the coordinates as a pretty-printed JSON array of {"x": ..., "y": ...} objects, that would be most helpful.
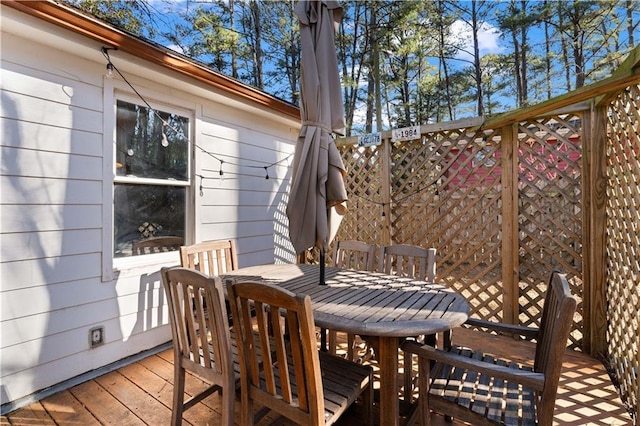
[{"x": 96, "y": 336}]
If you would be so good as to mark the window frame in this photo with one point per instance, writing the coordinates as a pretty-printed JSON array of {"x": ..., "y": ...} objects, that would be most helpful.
[{"x": 114, "y": 91}]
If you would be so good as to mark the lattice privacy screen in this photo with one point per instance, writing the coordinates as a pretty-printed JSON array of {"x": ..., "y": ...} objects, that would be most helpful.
[
  {"x": 446, "y": 192},
  {"x": 623, "y": 243}
]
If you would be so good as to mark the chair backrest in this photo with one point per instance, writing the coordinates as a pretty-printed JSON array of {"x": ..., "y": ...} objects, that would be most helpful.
[
  {"x": 286, "y": 331},
  {"x": 352, "y": 254},
  {"x": 210, "y": 257},
  {"x": 555, "y": 326},
  {"x": 156, "y": 245},
  {"x": 199, "y": 325},
  {"x": 408, "y": 261}
]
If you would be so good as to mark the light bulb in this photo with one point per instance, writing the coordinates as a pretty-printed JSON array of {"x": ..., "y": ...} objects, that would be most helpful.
[
  {"x": 165, "y": 141},
  {"x": 109, "y": 70}
]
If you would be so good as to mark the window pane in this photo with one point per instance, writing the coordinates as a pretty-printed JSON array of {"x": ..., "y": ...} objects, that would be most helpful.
[
  {"x": 151, "y": 143},
  {"x": 143, "y": 212}
]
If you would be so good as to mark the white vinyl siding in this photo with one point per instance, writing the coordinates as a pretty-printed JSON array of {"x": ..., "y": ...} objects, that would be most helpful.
[{"x": 56, "y": 179}]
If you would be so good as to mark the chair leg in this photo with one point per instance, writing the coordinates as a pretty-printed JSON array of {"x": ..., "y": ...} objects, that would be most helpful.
[
  {"x": 423, "y": 401},
  {"x": 408, "y": 377},
  {"x": 333, "y": 341},
  {"x": 228, "y": 398},
  {"x": 246, "y": 410},
  {"x": 323, "y": 339},
  {"x": 178, "y": 393},
  {"x": 367, "y": 402},
  {"x": 351, "y": 347},
  {"x": 446, "y": 337}
]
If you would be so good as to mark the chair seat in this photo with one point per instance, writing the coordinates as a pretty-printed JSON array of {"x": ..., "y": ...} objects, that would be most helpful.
[
  {"x": 495, "y": 399},
  {"x": 234, "y": 355},
  {"x": 342, "y": 381},
  {"x": 294, "y": 380},
  {"x": 483, "y": 390}
]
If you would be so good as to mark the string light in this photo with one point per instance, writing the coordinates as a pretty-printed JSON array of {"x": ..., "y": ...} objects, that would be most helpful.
[
  {"x": 109, "y": 70},
  {"x": 110, "y": 66},
  {"x": 165, "y": 141}
]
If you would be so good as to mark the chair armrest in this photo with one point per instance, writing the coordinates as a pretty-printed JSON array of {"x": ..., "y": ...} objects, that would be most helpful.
[
  {"x": 527, "y": 378},
  {"x": 527, "y": 332}
]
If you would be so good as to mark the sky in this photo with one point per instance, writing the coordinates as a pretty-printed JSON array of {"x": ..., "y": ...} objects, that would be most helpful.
[
  {"x": 489, "y": 36},
  {"x": 490, "y": 41}
]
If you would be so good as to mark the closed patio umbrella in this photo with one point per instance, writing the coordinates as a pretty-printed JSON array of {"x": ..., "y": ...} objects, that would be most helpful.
[{"x": 317, "y": 198}]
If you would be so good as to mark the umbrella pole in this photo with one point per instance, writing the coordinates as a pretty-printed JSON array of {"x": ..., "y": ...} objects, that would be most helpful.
[
  {"x": 322, "y": 281},
  {"x": 323, "y": 332}
]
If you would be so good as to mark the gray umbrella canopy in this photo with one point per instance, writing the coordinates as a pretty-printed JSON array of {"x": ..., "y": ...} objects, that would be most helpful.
[{"x": 317, "y": 199}]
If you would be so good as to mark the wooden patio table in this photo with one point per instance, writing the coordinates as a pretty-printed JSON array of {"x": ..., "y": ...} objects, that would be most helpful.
[{"x": 370, "y": 304}]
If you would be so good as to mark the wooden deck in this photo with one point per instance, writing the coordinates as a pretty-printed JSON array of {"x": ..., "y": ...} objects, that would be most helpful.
[{"x": 140, "y": 394}]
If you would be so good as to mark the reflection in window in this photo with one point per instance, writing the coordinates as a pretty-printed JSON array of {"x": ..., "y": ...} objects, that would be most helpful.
[{"x": 152, "y": 169}]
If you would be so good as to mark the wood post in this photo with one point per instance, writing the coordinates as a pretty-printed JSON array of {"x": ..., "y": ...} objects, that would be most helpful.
[
  {"x": 594, "y": 202},
  {"x": 510, "y": 241}
]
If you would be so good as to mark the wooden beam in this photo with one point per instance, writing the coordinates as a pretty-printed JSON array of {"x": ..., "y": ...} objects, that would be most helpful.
[
  {"x": 627, "y": 68},
  {"x": 463, "y": 124}
]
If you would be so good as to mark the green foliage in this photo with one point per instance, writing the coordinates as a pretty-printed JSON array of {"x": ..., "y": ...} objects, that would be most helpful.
[
  {"x": 131, "y": 16},
  {"x": 430, "y": 66}
]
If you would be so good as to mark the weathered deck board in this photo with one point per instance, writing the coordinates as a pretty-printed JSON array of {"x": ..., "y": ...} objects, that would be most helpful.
[
  {"x": 141, "y": 393},
  {"x": 103, "y": 405},
  {"x": 65, "y": 409}
]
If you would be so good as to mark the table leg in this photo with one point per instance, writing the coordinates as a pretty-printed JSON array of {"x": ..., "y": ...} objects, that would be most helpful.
[{"x": 388, "y": 361}]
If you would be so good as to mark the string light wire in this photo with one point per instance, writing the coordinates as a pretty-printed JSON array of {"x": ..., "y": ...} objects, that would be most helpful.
[{"x": 111, "y": 67}]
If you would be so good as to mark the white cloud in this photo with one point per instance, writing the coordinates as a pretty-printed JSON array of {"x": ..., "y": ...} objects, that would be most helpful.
[{"x": 488, "y": 38}]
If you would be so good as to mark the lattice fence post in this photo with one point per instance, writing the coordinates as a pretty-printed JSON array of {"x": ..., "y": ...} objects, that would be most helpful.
[
  {"x": 594, "y": 199},
  {"x": 385, "y": 191},
  {"x": 510, "y": 241}
]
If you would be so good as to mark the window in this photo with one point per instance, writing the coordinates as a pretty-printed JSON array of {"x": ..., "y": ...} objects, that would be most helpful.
[{"x": 151, "y": 180}]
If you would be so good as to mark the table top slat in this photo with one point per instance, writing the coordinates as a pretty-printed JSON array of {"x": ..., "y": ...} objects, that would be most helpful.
[{"x": 367, "y": 303}]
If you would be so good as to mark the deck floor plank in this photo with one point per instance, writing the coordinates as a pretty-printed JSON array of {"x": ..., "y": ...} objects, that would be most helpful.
[
  {"x": 162, "y": 365},
  {"x": 103, "y": 405},
  {"x": 34, "y": 414},
  {"x": 136, "y": 399},
  {"x": 65, "y": 409},
  {"x": 161, "y": 387},
  {"x": 141, "y": 393}
]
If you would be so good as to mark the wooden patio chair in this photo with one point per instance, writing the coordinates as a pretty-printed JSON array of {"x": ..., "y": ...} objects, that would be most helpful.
[
  {"x": 488, "y": 390},
  {"x": 414, "y": 262},
  {"x": 299, "y": 382},
  {"x": 350, "y": 254},
  {"x": 408, "y": 261},
  {"x": 202, "y": 342},
  {"x": 210, "y": 257},
  {"x": 353, "y": 254},
  {"x": 156, "y": 245}
]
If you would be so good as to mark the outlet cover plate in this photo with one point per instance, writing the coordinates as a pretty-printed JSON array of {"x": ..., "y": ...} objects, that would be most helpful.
[{"x": 96, "y": 336}]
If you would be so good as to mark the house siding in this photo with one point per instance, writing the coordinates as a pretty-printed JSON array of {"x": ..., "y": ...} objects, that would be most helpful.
[{"x": 53, "y": 196}]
